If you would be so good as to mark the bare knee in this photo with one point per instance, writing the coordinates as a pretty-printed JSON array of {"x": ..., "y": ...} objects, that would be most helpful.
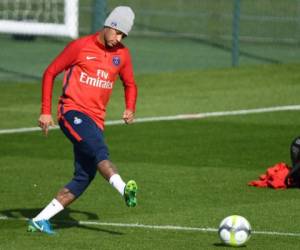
[{"x": 106, "y": 169}]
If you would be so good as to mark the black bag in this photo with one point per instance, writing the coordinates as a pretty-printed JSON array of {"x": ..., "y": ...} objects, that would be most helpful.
[{"x": 293, "y": 178}]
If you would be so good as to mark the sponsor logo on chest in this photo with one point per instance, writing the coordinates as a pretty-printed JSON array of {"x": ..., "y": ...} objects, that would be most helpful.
[{"x": 101, "y": 80}]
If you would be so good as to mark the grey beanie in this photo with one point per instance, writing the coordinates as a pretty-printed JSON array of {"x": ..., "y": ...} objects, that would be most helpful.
[{"x": 121, "y": 18}]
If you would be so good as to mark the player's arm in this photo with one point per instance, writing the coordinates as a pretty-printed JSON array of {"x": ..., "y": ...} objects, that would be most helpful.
[
  {"x": 130, "y": 89},
  {"x": 62, "y": 62}
]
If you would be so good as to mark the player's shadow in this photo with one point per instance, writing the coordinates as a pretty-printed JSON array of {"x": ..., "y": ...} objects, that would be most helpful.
[{"x": 62, "y": 221}]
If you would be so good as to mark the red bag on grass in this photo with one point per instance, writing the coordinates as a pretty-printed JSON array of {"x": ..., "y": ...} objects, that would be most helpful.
[{"x": 275, "y": 177}]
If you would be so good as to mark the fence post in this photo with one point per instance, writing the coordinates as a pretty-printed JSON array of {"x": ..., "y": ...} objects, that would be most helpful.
[
  {"x": 235, "y": 32},
  {"x": 99, "y": 14}
]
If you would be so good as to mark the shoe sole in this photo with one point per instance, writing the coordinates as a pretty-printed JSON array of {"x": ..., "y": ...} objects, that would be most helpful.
[{"x": 130, "y": 191}]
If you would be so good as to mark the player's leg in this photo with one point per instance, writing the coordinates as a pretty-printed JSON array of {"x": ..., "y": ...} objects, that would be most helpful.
[
  {"x": 91, "y": 153},
  {"x": 85, "y": 170},
  {"x": 92, "y": 143},
  {"x": 109, "y": 171},
  {"x": 41, "y": 221},
  {"x": 65, "y": 197}
]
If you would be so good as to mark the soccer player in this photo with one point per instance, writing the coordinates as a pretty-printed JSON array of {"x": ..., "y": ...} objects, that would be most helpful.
[{"x": 91, "y": 65}]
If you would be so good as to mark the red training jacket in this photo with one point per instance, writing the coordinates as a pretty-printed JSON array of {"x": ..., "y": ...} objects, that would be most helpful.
[{"x": 90, "y": 72}]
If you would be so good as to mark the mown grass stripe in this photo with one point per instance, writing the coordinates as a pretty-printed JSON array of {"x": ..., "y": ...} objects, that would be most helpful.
[{"x": 175, "y": 117}]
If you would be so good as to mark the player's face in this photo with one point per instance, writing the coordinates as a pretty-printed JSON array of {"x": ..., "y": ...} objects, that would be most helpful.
[{"x": 112, "y": 37}]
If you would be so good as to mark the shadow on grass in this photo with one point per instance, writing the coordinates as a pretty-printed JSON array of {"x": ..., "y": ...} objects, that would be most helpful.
[
  {"x": 224, "y": 245},
  {"x": 62, "y": 221}
]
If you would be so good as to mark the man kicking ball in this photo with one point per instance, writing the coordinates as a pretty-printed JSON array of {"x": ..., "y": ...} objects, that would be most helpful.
[{"x": 91, "y": 65}]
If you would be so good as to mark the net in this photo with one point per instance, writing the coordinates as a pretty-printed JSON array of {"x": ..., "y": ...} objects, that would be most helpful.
[
  {"x": 261, "y": 20},
  {"x": 39, "y": 17},
  {"x": 168, "y": 35}
]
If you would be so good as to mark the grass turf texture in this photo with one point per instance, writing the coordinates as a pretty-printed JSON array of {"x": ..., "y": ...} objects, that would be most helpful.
[
  {"x": 190, "y": 173},
  {"x": 200, "y": 179},
  {"x": 172, "y": 93}
]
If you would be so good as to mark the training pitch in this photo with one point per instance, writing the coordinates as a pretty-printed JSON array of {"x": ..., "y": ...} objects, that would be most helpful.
[{"x": 192, "y": 170}]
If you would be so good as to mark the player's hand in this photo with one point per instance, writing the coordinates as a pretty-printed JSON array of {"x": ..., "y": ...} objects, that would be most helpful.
[
  {"x": 45, "y": 121},
  {"x": 128, "y": 116}
]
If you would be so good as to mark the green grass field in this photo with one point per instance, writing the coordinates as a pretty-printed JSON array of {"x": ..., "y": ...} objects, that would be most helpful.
[{"x": 191, "y": 173}]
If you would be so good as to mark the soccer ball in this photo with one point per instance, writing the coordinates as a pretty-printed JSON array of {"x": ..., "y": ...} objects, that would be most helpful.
[{"x": 234, "y": 230}]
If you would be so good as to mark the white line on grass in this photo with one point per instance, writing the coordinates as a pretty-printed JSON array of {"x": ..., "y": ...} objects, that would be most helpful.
[
  {"x": 154, "y": 227},
  {"x": 175, "y": 117}
]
